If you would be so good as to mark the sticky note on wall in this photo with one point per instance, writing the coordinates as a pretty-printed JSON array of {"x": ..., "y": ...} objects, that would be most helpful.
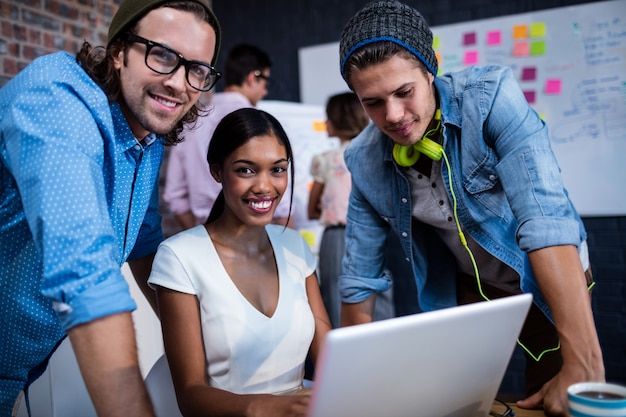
[
  {"x": 553, "y": 86},
  {"x": 531, "y": 97},
  {"x": 537, "y": 48},
  {"x": 469, "y": 38},
  {"x": 538, "y": 30},
  {"x": 436, "y": 42},
  {"x": 494, "y": 37},
  {"x": 520, "y": 32},
  {"x": 529, "y": 74},
  {"x": 470, "y": 58},
  {"x": 521, "y": 49}
]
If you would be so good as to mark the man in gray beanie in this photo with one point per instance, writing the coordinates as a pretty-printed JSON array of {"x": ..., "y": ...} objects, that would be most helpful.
[
  {"x": 81, "y": 143},
  {"x": 481, "y": 214}
]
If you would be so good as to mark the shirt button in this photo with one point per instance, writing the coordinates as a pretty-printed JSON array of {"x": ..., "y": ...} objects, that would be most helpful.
[
  {"x": 441, "y": 202},
  {"x": 137, "y": 147},
  {"x": 404, "y": 234},
  {"x": 492, "y": 177},
  {"x": 404, "y": 200},
  {"x": 434, "y": 185},
  {"x": 449, "y": 218},
  {"x": 407, "y": 259},
  {"x": 419, "y": 176}
]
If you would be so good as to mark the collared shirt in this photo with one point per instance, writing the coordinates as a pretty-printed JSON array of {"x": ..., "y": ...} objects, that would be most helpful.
[
  {"x": 504, "y": 175},
  {"x": 78, "y": 197}
]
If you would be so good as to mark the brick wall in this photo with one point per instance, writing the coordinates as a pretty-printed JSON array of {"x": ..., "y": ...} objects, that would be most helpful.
[{"x": 31, "y": 28}]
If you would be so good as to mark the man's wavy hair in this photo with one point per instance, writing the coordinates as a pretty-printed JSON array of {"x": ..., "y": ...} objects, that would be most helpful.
[{"x": 98, "y": 63}]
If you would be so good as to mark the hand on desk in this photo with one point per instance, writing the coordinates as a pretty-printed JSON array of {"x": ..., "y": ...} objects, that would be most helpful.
[{"x": 553, "y": 395}]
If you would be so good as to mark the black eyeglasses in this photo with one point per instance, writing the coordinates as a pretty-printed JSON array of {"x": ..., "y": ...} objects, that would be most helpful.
[
  {"x": 508, "y": 412},
  {"x": 262, "y": 76},
  {"x": 164, "y": 60}
]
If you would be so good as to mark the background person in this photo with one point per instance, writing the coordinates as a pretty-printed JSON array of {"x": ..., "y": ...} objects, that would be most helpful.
[
  {"x": 482, "y": 213},
  {"x": 81, "y": 141},
  {"x": 238, "y": 297},
  {"x": 328, "y": 201},
  {"x": 190, "y": 190}
]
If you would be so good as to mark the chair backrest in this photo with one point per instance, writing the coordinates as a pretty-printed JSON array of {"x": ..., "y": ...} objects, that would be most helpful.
[{"x": 161, "y": 389}]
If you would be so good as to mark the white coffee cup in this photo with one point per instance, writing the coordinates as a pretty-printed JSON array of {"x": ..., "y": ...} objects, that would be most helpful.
[{"x": 597, "y": 399}]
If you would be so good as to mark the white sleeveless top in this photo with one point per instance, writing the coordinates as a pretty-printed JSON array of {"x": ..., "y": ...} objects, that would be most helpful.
[{"x": 246, "y": 351}]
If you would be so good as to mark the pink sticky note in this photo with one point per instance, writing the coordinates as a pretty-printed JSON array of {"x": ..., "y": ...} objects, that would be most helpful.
[
  {"x": 553, "y": 86},
  {"x": 494, "y": 37},
  {"x": 521, "y": 49},
  {"x": 530, "y": 96},
  {"x": 529, "y": 73},
  {"x": 469, "y": 38},
  {"x": 470, "y": 58}
]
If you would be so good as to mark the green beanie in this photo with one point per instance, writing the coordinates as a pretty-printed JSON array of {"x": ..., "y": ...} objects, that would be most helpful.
[{"x": 130, "y": 11}]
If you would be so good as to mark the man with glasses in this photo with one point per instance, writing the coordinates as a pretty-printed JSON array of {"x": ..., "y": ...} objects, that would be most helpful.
[
  {"x": 190, "y": 189},
  {"x": 81, "y": 142}
]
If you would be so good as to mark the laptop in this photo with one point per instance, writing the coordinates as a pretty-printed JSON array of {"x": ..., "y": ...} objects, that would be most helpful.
[{"x": 444, "y": 363}]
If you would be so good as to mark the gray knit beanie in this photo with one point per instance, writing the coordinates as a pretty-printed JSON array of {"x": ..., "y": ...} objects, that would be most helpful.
[
  {"x": 389, "y": 21},
  {"x": 130, "y": 11}
]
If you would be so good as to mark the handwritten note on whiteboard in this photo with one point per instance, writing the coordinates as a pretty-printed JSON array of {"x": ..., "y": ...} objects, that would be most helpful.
[{"x": 571, "y": 65}]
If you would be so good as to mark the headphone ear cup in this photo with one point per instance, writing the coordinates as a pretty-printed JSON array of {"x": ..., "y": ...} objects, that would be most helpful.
[
  {"x": 430, "y": 148},
  {"x": 405, "y": 156}
]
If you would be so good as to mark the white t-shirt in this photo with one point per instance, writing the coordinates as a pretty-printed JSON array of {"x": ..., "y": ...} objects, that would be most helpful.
[{"x": 246, "y": 351}]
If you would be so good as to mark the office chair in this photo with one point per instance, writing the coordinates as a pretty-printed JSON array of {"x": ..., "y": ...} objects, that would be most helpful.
[{"x": 161, "y": 389}]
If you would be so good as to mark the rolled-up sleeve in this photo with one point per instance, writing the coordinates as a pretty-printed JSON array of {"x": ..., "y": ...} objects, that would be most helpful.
[{"x": 55, "y": 154}]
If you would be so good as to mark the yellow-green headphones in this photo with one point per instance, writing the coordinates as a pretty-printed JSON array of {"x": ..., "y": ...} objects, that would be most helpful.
[{"x": 407, "y": 156}]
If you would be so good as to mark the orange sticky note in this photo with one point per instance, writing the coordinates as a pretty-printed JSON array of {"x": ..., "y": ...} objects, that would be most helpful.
[
  {"x": 553, "y": 86},
  {"x": 520, "y": 32}
]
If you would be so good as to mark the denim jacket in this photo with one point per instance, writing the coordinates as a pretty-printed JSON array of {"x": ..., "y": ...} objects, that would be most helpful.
[{"x": 507, "y": 183}]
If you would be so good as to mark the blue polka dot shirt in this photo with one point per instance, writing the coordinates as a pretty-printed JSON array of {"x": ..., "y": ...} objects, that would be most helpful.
[{"x": 78, "y": 197}]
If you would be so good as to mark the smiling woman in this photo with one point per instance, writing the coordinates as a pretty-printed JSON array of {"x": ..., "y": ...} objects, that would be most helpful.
[{"x": 238, "y": 297}]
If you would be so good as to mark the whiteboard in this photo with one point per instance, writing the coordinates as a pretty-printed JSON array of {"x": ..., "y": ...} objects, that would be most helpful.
[{"x": 571, "y": 64}]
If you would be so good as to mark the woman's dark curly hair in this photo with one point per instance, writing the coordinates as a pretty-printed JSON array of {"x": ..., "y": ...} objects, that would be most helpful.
[{"x": 98, "y": 63}]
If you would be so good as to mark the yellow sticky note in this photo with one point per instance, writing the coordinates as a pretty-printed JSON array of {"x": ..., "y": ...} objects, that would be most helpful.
[
  {"x": 319, "y": 126},
  {"x": 309, "y": 237},
  {"x": 436, "y": 42},
  {"x": 538, "y": 30}
]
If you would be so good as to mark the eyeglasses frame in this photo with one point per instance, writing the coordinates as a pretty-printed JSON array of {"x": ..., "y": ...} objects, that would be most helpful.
[
  {"x": 186, "y": 63},
  {"x": 259, "y": 74},
  {"x": 508, "y": 412}
]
